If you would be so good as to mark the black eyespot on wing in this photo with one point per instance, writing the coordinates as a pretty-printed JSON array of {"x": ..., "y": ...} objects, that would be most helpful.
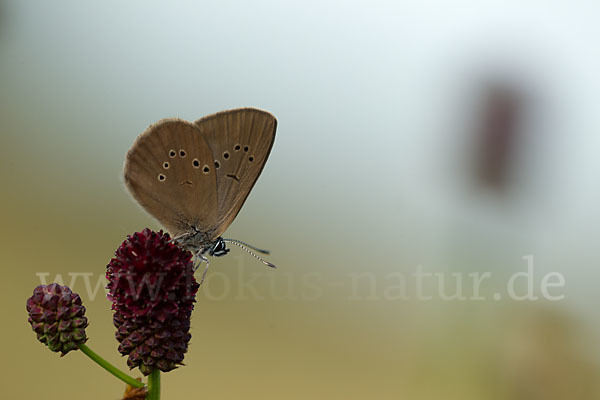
[
  {"x": 166, "y": 165},
  {"x": 196, "y": 163},
  {"x": 251, "y": 158},
  {"x": 182, "y": 153},
  {"x": 161, "y": 177},
  {"x": 217, "y": 164},
  {"x": 246, "y": 148},
  {"x": 172, "y": 153},
  {"x": 226, "y": 155},
  {"x": 206, "y": 169},
  {"x": 237, "y": 147}
]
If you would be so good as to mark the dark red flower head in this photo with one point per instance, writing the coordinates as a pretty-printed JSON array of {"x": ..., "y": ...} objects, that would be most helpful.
[
  {"x": 57, "y": 317},
  {"x": 152, "y": 288}
]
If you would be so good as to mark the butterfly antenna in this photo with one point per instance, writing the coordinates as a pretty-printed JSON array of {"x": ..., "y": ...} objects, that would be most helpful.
[{"x": 247, "y": 247}]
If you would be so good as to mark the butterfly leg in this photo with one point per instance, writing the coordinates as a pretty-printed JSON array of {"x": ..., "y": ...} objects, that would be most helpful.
[
  {"x": 201, "y": 257},
  {"x": 205, "y": 270}
]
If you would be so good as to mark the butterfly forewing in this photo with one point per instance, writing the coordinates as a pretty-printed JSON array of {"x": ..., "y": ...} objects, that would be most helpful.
[
  {"x": 240, "y": 141},
  {"x": 170, "y": 171}
]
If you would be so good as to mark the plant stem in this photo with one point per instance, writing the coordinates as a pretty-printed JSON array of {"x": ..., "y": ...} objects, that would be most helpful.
[
  {"x": 110, "y": 368},
  {"x": 154, "y": 385}
]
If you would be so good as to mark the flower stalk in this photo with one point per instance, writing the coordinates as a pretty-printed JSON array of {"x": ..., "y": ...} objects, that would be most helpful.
[
  {"x": 109, "y": 367},
  {"x": 154, "y": 385}
]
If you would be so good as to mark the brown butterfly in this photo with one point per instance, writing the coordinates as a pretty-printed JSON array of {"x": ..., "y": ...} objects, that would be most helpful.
[{"x": 195, "y": 177}]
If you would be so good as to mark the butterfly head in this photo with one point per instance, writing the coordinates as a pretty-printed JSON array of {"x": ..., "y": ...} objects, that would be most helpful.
[{"x": 218, "y": 248}]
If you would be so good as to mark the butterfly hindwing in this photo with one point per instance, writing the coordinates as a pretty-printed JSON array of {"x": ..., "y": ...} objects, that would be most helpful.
[{"x": 170, "y": 171}]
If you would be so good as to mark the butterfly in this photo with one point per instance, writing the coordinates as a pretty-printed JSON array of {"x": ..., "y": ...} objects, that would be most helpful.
[{"x": 195, "y": 177}]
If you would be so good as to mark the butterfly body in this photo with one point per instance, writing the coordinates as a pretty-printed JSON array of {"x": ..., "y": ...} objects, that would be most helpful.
[
  {"x": 199, "y": 243},
  {"x": 195, "y": 177}
]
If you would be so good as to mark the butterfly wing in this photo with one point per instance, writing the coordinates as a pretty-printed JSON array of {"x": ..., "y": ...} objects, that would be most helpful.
[
  {"x": 240, "y": 141},
  {"x": 170, "y": 171}
]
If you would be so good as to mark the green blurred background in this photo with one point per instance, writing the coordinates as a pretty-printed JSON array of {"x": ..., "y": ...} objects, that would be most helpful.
[{"x": 374, "y": 170}]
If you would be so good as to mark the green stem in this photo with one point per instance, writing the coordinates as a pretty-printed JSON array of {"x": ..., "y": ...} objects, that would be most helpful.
[
  {"x": 110, "y": 368},
  {"x": 154, "y": 385}
]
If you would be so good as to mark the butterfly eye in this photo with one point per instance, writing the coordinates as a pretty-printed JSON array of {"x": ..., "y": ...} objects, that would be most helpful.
[
  {"x": 181, "y": 153},
  {"x": 237, "y": 147},
  {"x": 161, "y": 177},
  {"x": 226, "y": 155},
  {"x": 206, "y": 170},
  {"x": 246, "y": 148},
  {"x": 217, "y": 164},
  {"x": 251, "y": 158},
  {"x": 172, "y": 153},
  {"x": 166, "y": 165},
  {"x": 196, "y": 163}
]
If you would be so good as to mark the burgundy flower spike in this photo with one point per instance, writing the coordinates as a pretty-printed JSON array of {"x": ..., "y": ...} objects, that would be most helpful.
[
  {"x": 57, "y": 317},
  {"x": 152, "y": 288}
]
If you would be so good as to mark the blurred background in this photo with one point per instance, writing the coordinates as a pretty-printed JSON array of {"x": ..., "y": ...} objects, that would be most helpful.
[{"x": 458, "y": 136}]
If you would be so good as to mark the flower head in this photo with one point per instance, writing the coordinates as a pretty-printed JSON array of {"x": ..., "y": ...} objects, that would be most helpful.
[
  {"x": 152, "y": 288},
  {"x": 57, "y": 317}
]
